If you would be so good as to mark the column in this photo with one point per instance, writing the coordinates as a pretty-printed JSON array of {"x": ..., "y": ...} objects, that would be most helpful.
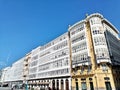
[
  {"x": 70, "y": 83},
  {"x": 50, "y": 85},
  {"x": 88, "y": 83},
  {"x": 55, "y": 83},
  {"x": 59, "y": 84},
  {"x": 64, "y": 83}
]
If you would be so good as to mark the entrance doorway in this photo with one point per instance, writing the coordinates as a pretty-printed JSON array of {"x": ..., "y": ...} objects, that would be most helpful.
[
  {"x": 77, "y": 87},
  {"x": 57, "y": 84},
  {"x": 108, "y": 86},
  {"x": 67, "y": 84},
  {"x": 62, "y": 85},
  {"x": 53, "y": 85},
  {"x": 91, "y": 86}
]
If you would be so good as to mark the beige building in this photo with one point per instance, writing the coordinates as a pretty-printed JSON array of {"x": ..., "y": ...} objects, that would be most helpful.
[
  {"x": 26, "y": 68},
  {"x": 95, "y": 54}
]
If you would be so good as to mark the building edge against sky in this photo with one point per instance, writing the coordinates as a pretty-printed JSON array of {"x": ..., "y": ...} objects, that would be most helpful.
[{"x": 85, "y": 57}]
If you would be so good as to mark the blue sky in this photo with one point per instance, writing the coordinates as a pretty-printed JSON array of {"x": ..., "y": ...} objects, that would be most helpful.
[{"x": 27, "y": 24}]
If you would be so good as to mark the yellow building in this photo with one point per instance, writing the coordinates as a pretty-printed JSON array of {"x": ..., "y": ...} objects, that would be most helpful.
[{"x": 95, "y": 54}]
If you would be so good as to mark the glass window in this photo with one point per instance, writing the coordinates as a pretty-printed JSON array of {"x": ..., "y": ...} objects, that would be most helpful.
[
  {"x": 84, "y": 87},
  {"x": 108, "y": 86}
]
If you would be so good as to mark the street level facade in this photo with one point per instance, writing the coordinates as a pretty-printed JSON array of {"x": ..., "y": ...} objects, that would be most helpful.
[{"x": 86, "y": 57}]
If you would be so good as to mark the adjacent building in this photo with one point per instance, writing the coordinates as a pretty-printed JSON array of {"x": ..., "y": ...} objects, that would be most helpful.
[
  {"x": 4, "y": 74},
  {"x": 50, "y": 65},
  {"x": 13, "y": 75},
  {"x": 87, "y": 57},
  {"x": 26, "y": 68}
]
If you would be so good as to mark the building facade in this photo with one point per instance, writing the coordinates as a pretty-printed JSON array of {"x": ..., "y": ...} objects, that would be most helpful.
[
  {"x": 87, "y": 57},
  {"x": 26, "y": 68},
  {"x": 50, "y": 65},
  {"x": 4, "y": 74},
  {"x": 14, "y": 75},
  {"x": 95, "y": 52}
]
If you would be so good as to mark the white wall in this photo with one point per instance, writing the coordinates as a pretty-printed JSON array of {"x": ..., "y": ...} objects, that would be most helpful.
[{"x": 14, "y": 73}]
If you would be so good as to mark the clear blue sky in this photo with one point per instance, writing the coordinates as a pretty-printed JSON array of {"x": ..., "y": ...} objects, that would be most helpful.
[{"x": 26, "y": 24}]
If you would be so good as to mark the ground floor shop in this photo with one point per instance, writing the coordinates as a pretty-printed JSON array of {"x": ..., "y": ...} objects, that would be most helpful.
[
  {"x": 92, "y": 83},
  {"x": 52, "y": 83},
  {"x": 98, "y": 81}
]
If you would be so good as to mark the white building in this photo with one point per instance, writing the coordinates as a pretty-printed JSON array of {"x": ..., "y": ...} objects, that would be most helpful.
[
  {"x": 50, "y": 65},
  {"x": 13, "y": 74},
  {"x": 4, "y": 74}
]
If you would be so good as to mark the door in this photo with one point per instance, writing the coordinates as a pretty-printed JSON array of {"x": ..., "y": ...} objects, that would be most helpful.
[
  {"x": 91, "y": 86},
  {"x": 77, "y": 88},
  {"x": 62, "y": 85},
  {"x": 108, "y": 86},
  {"x": 67, "y": 84},
  {"x": 53, "y": 84},
  {"x": 57, "y": 84}
]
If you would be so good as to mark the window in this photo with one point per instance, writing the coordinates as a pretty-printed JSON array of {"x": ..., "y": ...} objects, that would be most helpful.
[
  {"x": 77, "y": 87},
  {"x": 99, "y": 41},
  {"x": 104, "y": 67},
  {"x": 91, "y": 22},
  {"x": 79, "y": 47},
  {"x": 102, "y": 53},
  {"x": 77, "y": 29},
  {"x": 78, "y": 38},
  {"x": 35, "y": 57},
  {"x": 34, "y": 63},
  {"x": 95, "y": 20},
  {"x": 91, "y": 86},
  {"x": 84, "y": 87}
]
